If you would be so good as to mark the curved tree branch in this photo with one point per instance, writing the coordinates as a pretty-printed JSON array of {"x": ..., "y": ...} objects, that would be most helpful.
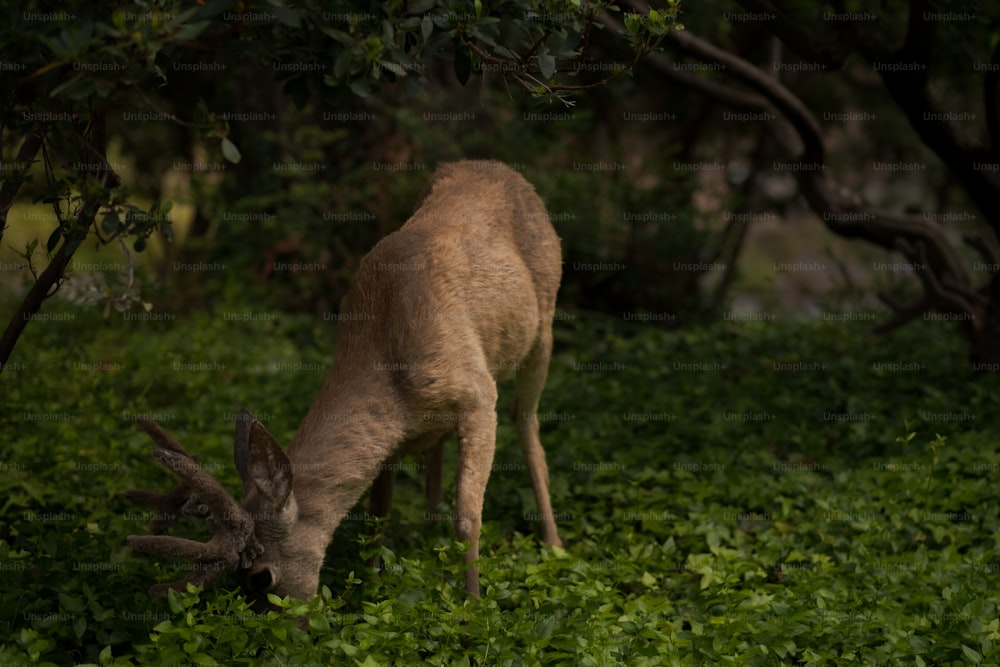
[
  {"x": 783, "y": 100},
  {"x": 56, "y": 268},
  {"x": 22, "y": 163},
  {"x": 828, "y": 50},
  {"x": 785, "y": 134},
  {"x": 938, "y": 296},
  {"x": 776, "y": 93},
  {"x": 949, "y": 286}
]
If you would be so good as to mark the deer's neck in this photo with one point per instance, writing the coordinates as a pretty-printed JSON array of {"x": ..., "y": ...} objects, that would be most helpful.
[{"x": 352, "y": 429}]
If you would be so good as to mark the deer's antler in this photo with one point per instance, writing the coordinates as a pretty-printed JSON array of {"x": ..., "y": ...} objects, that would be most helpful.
[
  {"x": 232, "y": 543},
  {"x": 167, "y": 507}
]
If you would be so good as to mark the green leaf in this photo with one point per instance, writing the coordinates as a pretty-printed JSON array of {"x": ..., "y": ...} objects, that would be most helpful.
[
  {"x": 174, "y": 600},
  {"x": 972, "y": 654},
  {"x": 342, "y": 64},
  {"x": 426, "y": 27},
  {"x": 319, "y": 622},
  {"x": 230, "y": 151},
  {"x": 374, "y": 46},
  {"x": 421, "y": 6},
  {"x": 111, "y": 223},
  {"x": 192, "y": 30},
  {"x": 54, "y": 239},
  {"x": 546, "y": 65},
  {"x": 361, "y": 87},
  {"x": 179, "y": 19},
  {"x": 71, "y": 604},
  {"x": 290, "y": 17},
  {"x": 633, "y": 23},
  {"x": 545, "y": 627}
]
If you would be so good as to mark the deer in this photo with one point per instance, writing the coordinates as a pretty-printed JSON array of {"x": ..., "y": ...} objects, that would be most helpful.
[{"x": 439, "y": 311}]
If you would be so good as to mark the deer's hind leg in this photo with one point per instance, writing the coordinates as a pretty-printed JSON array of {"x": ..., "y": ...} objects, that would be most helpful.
[{"x": 530, "y": 382}]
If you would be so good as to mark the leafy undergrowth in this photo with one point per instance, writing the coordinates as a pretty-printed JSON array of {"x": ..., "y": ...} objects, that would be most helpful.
[{"x": 746, "y": 494}]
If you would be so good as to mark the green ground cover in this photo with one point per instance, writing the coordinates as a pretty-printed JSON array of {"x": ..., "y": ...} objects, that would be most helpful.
[{"x": 752, "y": 493}]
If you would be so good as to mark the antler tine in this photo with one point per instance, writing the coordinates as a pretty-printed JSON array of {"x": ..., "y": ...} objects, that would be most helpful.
[
  {"x": 212, "y": 551},
  {"x": 168, "y": 506},
  {"x": 223, "y": 509},
  {"x": 161, "y": 437},
  {"x": 213, "y": 557},
  {"x": 232, "y": 543}
]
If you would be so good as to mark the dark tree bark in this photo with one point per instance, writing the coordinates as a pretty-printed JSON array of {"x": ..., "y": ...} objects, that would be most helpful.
[
  {"x": 49, "y": 279},
  {"x": 25, "y": 156},
  {"x": 949, "y": 286}
]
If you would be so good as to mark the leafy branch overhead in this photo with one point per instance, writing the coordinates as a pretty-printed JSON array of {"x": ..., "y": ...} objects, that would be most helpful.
[
  {"x": 892, "y": 59},
  {"x": 88, "y": 64},
  {"x": 100, "y": 56}
]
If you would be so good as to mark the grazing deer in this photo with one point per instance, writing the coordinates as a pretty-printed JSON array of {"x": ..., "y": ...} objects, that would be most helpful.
[{"x": 439, "y": 310}]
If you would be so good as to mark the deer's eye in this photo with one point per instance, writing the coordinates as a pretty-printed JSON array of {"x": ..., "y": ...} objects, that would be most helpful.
[{"x": 261, "y": 581}]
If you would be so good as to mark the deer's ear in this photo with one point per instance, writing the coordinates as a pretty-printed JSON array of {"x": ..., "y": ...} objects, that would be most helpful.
[
  {"x": 241, "y": 448},
  {"x": 260, "y": 461}
]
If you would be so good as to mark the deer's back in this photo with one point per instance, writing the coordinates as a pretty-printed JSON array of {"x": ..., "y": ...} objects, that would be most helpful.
[{"x": 465, "y": 285}]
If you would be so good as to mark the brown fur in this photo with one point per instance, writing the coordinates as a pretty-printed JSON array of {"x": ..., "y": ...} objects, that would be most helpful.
[{"x": 440, "y": 310}]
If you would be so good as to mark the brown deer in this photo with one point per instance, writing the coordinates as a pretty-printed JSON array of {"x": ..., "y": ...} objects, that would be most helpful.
[{"x": 438, "y": 312}]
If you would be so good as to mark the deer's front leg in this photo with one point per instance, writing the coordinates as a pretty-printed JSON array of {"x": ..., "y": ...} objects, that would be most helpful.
[{"x": 476, "y": 444}]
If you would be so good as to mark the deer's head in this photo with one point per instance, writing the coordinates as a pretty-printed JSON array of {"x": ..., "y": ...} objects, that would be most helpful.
[{"x": 257, "y": 539}]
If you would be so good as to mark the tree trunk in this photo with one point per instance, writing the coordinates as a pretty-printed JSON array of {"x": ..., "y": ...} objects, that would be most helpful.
[
  {"x": 25, "y": 156},
  {"x": 53, "y": 273},
  {"x": 33, "y": 301}
]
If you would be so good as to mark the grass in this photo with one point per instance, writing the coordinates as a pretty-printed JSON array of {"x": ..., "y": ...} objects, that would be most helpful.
[{"x": 749, "y": 494}]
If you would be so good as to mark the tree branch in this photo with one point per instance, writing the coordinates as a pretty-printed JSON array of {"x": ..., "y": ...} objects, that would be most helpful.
[
  {"x": 948, "y": 284},
  {"x": 904, "y": 74},
  {"x": 33, "y": 301},
  {"x": 782, "y": 131},
  {"x": 829, "y": 50},
  {"x": 938, "y": 296},
  {"x": 12, "y": 185},
  {"x": 987, "y": 247},
  {"x": 53, "y": 273},
  {"x": 777, "y": 94}
]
